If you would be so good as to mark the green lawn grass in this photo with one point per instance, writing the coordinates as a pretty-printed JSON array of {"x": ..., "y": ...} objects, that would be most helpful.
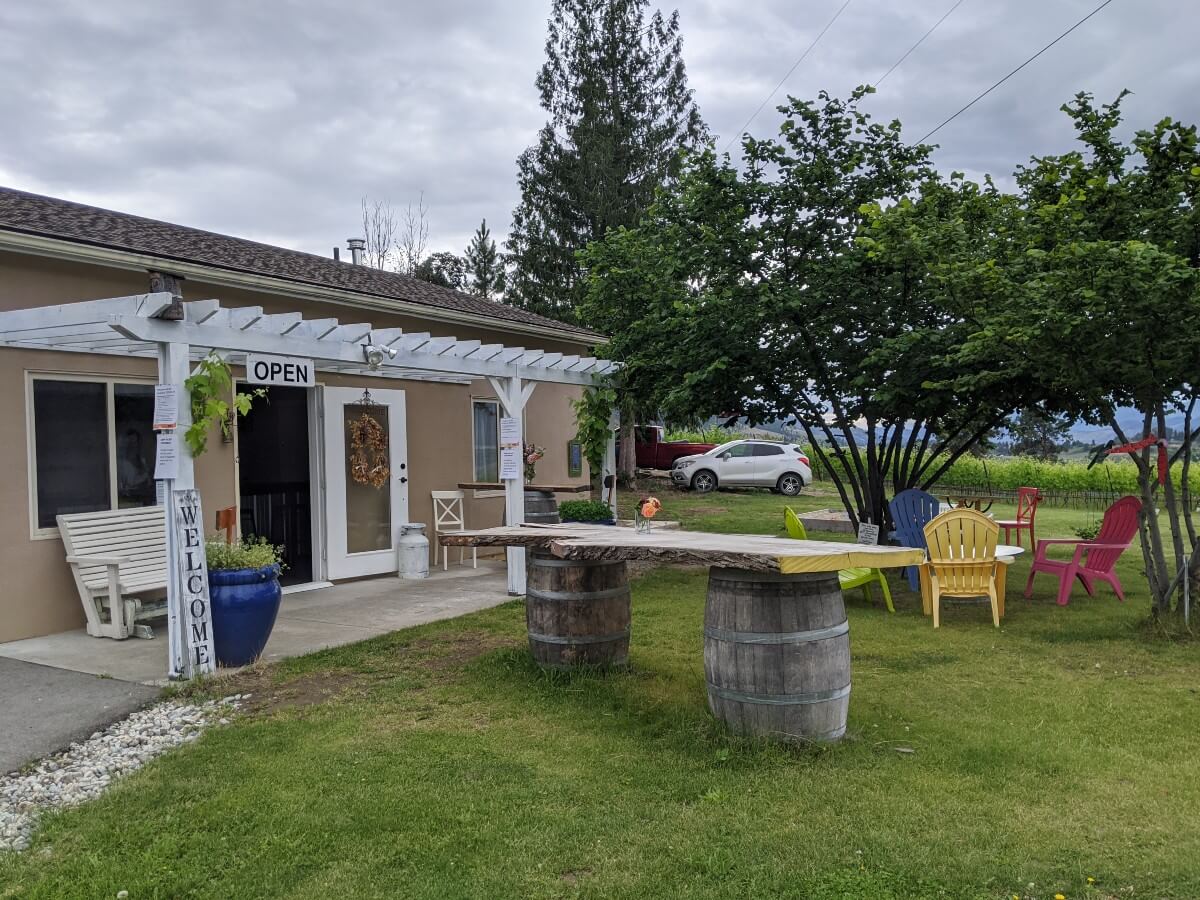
[{"x": 978, "y": 762}]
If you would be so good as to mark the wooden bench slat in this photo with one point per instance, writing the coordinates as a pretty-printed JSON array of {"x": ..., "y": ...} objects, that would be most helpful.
[{"x": 137, "y": 537}]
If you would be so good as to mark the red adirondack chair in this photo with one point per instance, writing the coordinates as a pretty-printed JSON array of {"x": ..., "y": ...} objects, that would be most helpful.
[
  {"x": 1027, "y": 503},
  {"x": 1094, "y": 560}
]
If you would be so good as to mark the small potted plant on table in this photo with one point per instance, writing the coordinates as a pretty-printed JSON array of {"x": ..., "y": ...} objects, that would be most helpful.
[
  {"x": 244, "y": 593},
  {"x": 595, "y": 512}
]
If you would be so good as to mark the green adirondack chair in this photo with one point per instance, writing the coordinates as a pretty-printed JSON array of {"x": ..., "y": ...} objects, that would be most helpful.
[{"x": 859, "y": 576}]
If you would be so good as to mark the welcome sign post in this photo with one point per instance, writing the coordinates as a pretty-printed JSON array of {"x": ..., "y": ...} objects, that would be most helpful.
[
  {"x": 189, "y": 614},
  {"x": 192, "y": 577}
]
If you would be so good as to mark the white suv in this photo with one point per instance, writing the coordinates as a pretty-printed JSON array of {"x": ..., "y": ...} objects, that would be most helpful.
[{"x": 781, "y": 467}]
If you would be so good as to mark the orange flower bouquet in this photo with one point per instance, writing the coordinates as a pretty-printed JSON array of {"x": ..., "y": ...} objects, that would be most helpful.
[{"x": 647, "y": 508}]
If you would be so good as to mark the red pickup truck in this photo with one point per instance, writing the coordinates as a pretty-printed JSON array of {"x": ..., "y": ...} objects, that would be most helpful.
[{"x": 655, "y": 453}]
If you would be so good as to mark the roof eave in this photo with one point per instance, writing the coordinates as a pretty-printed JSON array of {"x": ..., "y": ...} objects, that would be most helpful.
[{"x": 98, "y": 254}]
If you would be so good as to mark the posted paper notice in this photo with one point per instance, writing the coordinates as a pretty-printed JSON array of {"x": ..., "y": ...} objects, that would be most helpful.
[
  {"x": 166, "y": 407},
  {"x": 166, "y": 460}
]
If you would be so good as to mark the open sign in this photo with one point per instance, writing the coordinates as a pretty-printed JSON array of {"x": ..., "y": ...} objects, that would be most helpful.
[{"x": 280, "y": 370}]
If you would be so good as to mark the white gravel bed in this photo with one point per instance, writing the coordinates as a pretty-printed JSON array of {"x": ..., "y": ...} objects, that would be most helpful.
[{"x": 85, "y": 769}]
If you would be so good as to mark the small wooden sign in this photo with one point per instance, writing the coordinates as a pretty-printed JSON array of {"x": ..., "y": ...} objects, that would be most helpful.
[
  {"x": 868, "y": 534},
  {"x": 195, "y": 611}
]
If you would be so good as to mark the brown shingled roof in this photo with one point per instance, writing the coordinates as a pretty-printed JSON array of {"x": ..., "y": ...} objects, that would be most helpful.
[{"x": 76, "y": 222}]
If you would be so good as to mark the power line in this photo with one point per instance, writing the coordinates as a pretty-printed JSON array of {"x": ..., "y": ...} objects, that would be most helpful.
[
  {"x": 795, "y": 65},
  {"x": 896, "y": 64},
  {"x": 1014, "y": 72}
]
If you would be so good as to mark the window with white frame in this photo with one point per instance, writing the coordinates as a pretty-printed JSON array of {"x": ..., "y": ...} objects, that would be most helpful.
[
  {"x": 91, "y": 446},
  {"x": 485, "y": 439}
]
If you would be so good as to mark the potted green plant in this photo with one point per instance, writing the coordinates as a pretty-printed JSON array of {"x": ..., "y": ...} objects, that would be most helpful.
[
  {"x": 244, "y": 595},
  {"x": 594, "y": 511}
]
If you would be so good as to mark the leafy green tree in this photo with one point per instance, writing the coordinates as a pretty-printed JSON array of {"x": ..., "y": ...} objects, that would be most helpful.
[
  {"x": 1037, "y": 433},
  {"x": 773, "y": 295},
  {"x": 484, "y": 268},
  {"x": 1111, "y": 308},
  {"x": 619, "y": 111},
  {"x": 445, "y": 269}
]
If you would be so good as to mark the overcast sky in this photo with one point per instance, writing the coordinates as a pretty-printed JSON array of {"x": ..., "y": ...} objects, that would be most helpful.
[{"x": 270, "y": 119}]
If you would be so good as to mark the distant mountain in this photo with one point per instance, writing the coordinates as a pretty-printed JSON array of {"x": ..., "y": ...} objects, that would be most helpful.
[{"x": 1130, "y": 421}]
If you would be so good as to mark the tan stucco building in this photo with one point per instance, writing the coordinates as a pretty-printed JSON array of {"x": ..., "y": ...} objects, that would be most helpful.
[{"x": 76, "y": 433}]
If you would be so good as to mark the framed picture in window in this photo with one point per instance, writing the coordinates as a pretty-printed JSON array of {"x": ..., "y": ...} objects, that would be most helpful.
[{"x": 574, "y": 459}]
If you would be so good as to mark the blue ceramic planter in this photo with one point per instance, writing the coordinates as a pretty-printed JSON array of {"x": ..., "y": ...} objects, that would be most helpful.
[{"x": 244, "y": 605}]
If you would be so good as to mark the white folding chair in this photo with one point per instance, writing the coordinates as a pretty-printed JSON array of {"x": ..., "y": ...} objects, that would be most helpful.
[{"x": 449, "y": 515}]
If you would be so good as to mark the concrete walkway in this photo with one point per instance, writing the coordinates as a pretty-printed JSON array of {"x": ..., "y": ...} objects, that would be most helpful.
[
  {"x": 308, "y": 621},
  {"x": 43, "y": 709},
  {"x": 62, "y": 687}
]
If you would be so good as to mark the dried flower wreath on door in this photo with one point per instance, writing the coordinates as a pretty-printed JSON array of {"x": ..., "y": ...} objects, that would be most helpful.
[{"x": 369, "y": 452}]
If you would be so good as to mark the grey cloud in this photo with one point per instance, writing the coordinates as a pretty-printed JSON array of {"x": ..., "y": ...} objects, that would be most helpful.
[{"x": 271, "y": 119}]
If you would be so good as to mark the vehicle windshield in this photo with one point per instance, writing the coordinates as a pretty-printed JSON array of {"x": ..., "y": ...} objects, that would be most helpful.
[{"x": 717, "y": 451}]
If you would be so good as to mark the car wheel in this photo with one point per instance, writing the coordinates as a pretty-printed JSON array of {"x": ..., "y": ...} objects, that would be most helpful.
[
  {"x": 790, "y": 484},
  {"x": 703, "y": 481}
]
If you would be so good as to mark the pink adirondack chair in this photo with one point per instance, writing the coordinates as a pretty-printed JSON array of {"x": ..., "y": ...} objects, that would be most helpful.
[
  {"x": 1094, "y": 560},
  {"x": 1027, "y": 504}
]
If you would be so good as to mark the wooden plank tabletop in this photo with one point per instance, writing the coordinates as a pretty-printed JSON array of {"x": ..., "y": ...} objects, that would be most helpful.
[
  {"x": 734, "y": 551},
  {"x": 499, "y": 486}
]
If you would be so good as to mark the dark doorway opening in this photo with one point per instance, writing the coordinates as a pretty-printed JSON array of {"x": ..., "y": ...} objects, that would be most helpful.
[{"x": 274, "y": 482}]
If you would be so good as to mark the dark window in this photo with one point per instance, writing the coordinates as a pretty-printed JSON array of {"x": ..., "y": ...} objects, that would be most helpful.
[
  {"x": 739, "y": 451},
  {"x": 71, "y": 448},
  {"x": 767, "y": 450},
  {"x": 133, "y": 409}
]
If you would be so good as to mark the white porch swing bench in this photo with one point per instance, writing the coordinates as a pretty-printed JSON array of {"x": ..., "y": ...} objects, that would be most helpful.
[{"x": 117, "y": 558}]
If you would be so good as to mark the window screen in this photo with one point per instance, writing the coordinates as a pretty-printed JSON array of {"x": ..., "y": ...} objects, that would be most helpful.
[{"x": 71, "y": 448}]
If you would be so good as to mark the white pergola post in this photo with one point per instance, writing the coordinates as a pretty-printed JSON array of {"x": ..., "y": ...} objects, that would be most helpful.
[
  {"x": 608, "y": 480},
  {"x": 513, "y": 396},
  {"x": 173, "y": 368}
]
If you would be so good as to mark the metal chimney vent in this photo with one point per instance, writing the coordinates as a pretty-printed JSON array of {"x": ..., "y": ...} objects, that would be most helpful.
[{"x": 357, "y": 247}]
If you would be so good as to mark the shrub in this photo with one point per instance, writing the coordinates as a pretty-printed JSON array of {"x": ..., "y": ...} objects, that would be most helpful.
[
  {"x": 584, "y": 511},
  {"x": 250, "y": 553}
]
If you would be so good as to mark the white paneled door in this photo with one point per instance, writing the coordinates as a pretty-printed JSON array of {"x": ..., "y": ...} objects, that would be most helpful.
[{"x": 366, "y": 480}]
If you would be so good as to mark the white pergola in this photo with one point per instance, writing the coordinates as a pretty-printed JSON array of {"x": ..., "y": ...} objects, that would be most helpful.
[{"x": 136, "y": 327}]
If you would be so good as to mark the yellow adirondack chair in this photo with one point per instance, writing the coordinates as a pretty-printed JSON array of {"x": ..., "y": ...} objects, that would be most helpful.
[
  {"x": 962, "y": 558},
  {"x": 858, "y": 576}
]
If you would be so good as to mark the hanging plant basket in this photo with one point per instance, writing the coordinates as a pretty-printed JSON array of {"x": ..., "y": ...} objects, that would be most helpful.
[{"x": 369, "y": 456}]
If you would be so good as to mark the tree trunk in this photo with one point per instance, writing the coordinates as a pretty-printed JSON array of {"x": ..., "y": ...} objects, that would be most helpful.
[{"x": 627, "y": 458}]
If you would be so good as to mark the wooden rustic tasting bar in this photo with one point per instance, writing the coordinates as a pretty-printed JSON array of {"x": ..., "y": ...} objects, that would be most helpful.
[{"x": 776, "y": 639}]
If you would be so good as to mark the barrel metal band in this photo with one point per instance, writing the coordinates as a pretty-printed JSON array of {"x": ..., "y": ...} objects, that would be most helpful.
[
  {"x": 605, "y": 594},
  {"x": 581, "y": 639},
  {"x": 776, "y": 637},
  {"x": 780, "y": 699},
  {"x": 543, "y": 561}
]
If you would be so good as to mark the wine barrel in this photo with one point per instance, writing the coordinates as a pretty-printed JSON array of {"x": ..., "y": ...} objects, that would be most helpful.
[
  {"x": 541, "y": 508},
  {"x": 777, "y": 654},
  {"x": 577, "y": 612}
]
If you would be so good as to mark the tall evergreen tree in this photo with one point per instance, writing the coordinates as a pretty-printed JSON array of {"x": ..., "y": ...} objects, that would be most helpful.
[
  {"x": 620, "y": 110},
  {"x": 485, "y": 269}
]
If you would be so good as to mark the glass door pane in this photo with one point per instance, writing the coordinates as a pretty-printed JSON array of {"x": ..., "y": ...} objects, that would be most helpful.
[{"x": 368, "y": 485}]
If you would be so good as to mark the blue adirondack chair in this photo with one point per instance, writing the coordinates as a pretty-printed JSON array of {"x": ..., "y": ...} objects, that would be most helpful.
[{"x": 912, "y": 510}]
